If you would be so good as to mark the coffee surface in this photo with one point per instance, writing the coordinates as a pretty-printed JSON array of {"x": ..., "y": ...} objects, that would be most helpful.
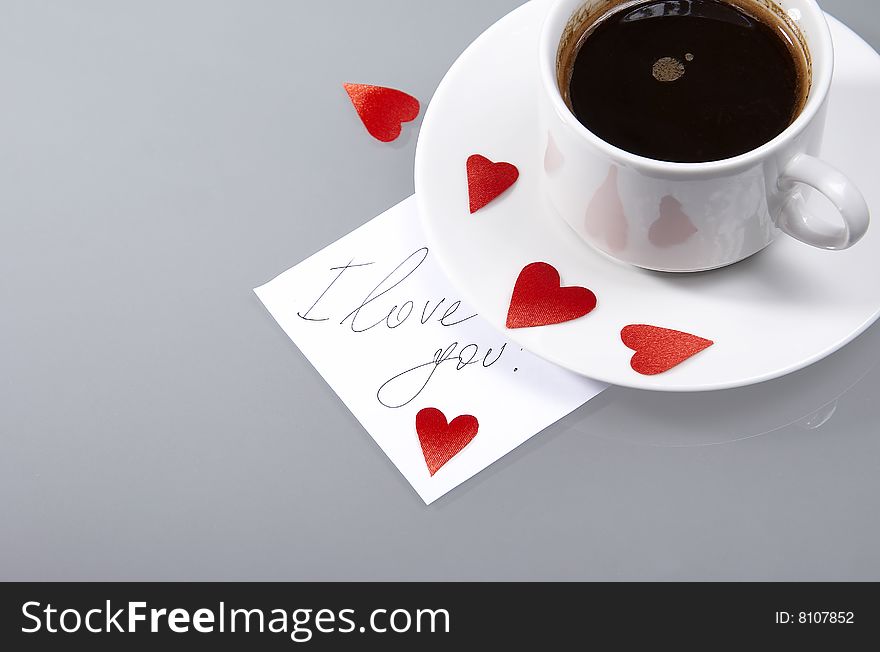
[{"x": 687, "y": 81}]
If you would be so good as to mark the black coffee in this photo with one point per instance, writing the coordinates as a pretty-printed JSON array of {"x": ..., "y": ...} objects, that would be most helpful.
[{"x": 688, "y": 80}]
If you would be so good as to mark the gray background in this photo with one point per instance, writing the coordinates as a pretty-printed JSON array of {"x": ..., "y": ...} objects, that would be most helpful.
[{"x": 160, "y": 159}]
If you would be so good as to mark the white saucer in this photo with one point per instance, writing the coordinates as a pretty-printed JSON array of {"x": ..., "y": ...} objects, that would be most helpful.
[{"x": 777, "y": 312}]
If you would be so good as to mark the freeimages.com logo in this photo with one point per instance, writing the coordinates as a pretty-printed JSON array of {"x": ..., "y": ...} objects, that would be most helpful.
[{"x": 300, "y": 624}]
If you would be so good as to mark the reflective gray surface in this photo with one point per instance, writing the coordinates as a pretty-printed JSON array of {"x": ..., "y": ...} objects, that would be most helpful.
[{"x": 160, "y": 159}]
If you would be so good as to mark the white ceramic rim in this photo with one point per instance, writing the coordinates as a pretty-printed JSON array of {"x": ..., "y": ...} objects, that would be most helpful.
[{"x": 821, "y": 51}]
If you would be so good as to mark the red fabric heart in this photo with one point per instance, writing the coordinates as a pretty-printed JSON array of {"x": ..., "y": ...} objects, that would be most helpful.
[
  {"x": 660, "y": 349},
  {"x": 487, "y": 180},
  {"x": 382, "y": 110},
  {"x": 538, "y": 299},
  {"x": 442, "y": 441}
]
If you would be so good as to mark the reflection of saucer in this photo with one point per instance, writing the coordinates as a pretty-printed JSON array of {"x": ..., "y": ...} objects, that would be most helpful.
[
  {"x": 770, "y": 315},
  {"x": 806, "y": 399}
]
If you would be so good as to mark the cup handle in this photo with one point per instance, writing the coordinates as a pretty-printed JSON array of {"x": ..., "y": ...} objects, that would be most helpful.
[{"x": 797, "y": 222}]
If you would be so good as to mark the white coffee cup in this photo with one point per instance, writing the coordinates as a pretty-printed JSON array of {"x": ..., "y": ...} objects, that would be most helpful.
[{"x": 686, "y": 217}]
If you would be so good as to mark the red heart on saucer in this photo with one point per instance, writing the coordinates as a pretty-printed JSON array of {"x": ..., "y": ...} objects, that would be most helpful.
[
  {"x": 487, "y": 180},
  {"x": 441, "y": 441},
  {"x": 539, "y": 300},
  {"x": 382, "y": 110},
  {"x": 660, "y": 349}
]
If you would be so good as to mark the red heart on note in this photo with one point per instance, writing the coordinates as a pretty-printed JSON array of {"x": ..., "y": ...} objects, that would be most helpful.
[
  {"x": 382, "y": 110},
  {"x": 539, "y": 300},
  {"x": 487, "y": 180},
  {"x": 441, "y": 441},
  {"x": 660, "y": 349}
]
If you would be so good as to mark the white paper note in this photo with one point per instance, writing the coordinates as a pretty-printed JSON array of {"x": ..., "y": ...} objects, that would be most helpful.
[{"x": 378, "y": 319}]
